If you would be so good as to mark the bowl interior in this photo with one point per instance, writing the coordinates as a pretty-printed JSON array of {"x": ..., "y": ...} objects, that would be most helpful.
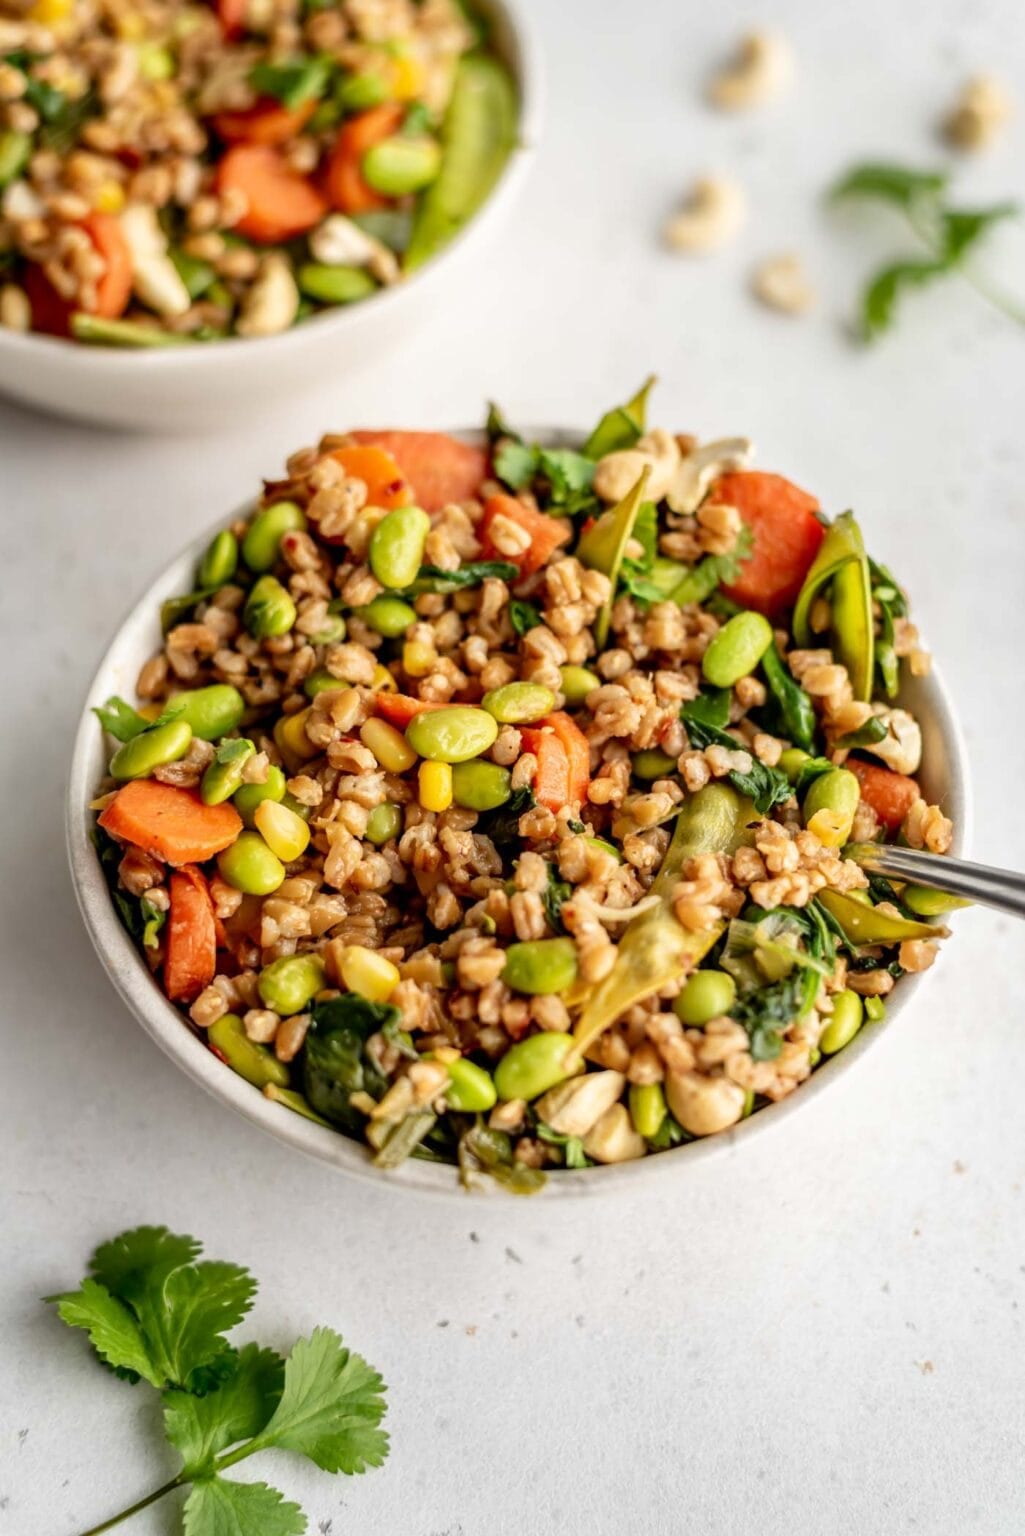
[{"x": 944, "y": 781}]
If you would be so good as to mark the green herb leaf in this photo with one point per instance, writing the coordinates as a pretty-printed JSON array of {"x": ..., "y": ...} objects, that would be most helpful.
[
  {"x": 895, "y": 184},
  {"x": 963, "y": 228},
  {"x": 879, "y": 304},
  {"x": 569, "y": 474},
  {"x": 201, "y": 1427},
  {"x": 153, "y": 919},
  {"x": 418, "y": 121},
  {"x": 119, "y": 718},
  {"x": 233, "y": 749},
  {"x": 292, "y": 84},
  {"x": 768, "y": 1012},
  {"x": 113, "y": 1331},
  {"x": 764, "y": 785},
  {"x": 622, "y": 426},
  {"x": 809, "y": 771},
  {"x": 555, "y": 893},
  {"x": 497, "y": 427},
  {"x": 503, "y": 824},
  {"x": 432, "y": 578},
  {"x": 174, "y": 610},
  {"x": 573, "y": 1152},
  {"x": 523, "y": 616},
  {"x": 334, "y": 1061},
  {"x": 515, "y": 464},
  {"x": 218, "y": 1507},
  {"x": 711, "y": 707},
  {"x": 794, "y": 710},
  {"x": 330, "y": 1407},
  {"x": 714, "y": 570},
  {"x": 866, "y": 735}
]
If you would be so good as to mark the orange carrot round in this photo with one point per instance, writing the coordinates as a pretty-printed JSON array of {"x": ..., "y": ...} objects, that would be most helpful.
[
  {"x": 552, "y": 775},
  {"x": 343, "y": 180},
  {"x": 890, "y": 794},
  {"x": 786, "y": 535},
  {"x": 269, "y": 122},
  {"x": 190, "y": 958},
  {"x": 171, "y": 823},
  {"x": 578, "y": 752},
  {"x": 386, "y": 485},
  {"x": 546, "y": 533},
  {"x": 439, "y": 468},
  {"x": 398, "y": 708},
  {"x": 115, "y": 286},
  {"x": 280, "y": 203}
]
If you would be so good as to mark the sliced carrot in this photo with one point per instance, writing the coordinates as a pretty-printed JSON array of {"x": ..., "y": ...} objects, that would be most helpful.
[
  {"x": 280, "y": 203},
  {"x": 439, "y": 468},
  {"x": 546, "y": 533},
  {"x": 891, "y": 795},
  {"x": 115, "y": 286},
  {"x": 232, "y": 16},
  {"x": 343, "y": 181},
  {"x": 578, "y": 752},
  {"x": 386, "y": 485},
  {"x": 398, "y": 708},
  {"x": 269, "y": 122},
  {"x": 786, "y": 534},
  {"x": 190, "y": 960},
  {"x": 552, "y": 778},
  {"x": 169, "y": 822}
]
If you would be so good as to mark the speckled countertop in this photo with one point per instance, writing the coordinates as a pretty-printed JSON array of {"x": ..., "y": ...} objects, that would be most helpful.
[{"x": 823, "y": 1334}]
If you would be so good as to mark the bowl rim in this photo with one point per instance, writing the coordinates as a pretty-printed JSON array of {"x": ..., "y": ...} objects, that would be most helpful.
[
  {"x": 164, "y": 1023},
  {"x": 525, "y": 61}
]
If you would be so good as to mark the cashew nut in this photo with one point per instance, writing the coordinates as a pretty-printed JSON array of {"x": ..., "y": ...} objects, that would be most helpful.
[
  {"x": 339, "y": 242},
  {"x": 15, "y": 309},
  {"x": 713, "y": 214},
  {"x": 704, "y": 1105},
  {"x": 613, "y": 1139},
  {"x": 699, "y": 469},
  {"x": 901, "y": 747},
  {"x": 574, "y": 1108},
  {"x": 154, "y": 275},
  {"x": 781, "y": 283},
  {"x": 272, "y": 302},
  {"x": 760, "y": 70},
  {"x": 618, "y": 472},
  {"x": 980, "y": 112}
]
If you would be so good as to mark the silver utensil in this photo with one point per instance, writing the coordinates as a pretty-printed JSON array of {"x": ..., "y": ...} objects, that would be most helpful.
[{"x": 1000, "y": 888}]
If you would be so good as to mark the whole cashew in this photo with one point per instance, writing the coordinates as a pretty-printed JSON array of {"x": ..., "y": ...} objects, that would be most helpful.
[
  {"x": 901, "y": 747},
  {"x": 704, "y": 1105},
  {"x": 761, "y": 68},
  {"x": 713, "y": 214},
  {"x": 154, "y": 275},
  {"x": 613, "y": 1139},
  {"x": 699, "y": 469},
  {"x": 272, "y": 302},
  {"x": 618, "y": 472},
  {"x": 574, "y": 1108}
]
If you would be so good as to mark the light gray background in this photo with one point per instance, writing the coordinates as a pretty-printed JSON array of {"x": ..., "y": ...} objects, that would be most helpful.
[{"x": 821, "y": 1335}]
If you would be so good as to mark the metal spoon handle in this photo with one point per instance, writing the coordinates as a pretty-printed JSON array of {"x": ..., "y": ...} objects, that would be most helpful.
[{"x": 1000, "y": 888}]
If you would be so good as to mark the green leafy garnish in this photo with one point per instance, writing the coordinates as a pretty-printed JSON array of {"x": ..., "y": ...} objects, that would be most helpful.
[
  {"x": 563, "y": 478},
  {"x": 336, "y": 1064},
  {"x": 156, "y": 1312},
  {"x": 948, "y": 235},
  {"x": 153, "y": 919},
  {"x": 711, "y": 707},
  {"x": 714, "y": 571},
  {"x": 173, "y": 610},
  {"x": 622, "y": 426},
  {"x": 292, "y": 84},
  {"x": 523, "y": 616},
  {"x": 768, "y": 1012},
  {"x": 119, "y": 718},
  {"x": 503, "y": 824},
  {"x": 793, "y": 714},
  {"x": 866, "y": 735},
  {"x": 515, "y": 464},
  {"x": 573, "y": 1152},
  {"x": 809, "y": 771},
  {"x": 764, "y": 785},
  {"x": 433, "y": 578},
  {"x": 555, "y": 893}
]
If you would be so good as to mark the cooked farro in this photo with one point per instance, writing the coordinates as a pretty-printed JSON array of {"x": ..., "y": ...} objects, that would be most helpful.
[
  {"x": 174, "y": 172},
  {"x": 405, "y": 855}
]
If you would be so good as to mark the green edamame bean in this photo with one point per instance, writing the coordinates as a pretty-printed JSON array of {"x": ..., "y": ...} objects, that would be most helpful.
[
  {"x": 647, "y": 1108},
  {"x": 383, "y": 823},
  {"x": 288, "y": 984},
  {"x": 539, "y": 966},
  {"x": 926, "y": 902},
  {"x": 843, "y": 1024},
  {"x": 388, "y": 616},
  {"x": 357, "y": 93},
  {"x": 519, "y": 703},
  {"x": 577, "y": 683},
  {"x": 332, "y": 632},
  {"x": 290, "y": 803},
  {"x": 705, "y": 995},
  {"x": 452, "y": 735},
  {"x": 480, "y": 785},
  {"x": 471, "y": 1089},
  {"x": 269, "y": 609},
  {"x": 397, "y": 546},
  {"x": 137, "y": 759},
  {"x": 532, "y": 1066},
  {"x": 15, "y": 150},
  {"x": 212, "y": 712},
  {"x": 653, "y": 764},
  {"x": 250, "y": 866},
  {"x": 224, "y": 775},
  {"x": 249, "y": 796},
  {"x": 334, "y": 285},
  {"x": 220, "y": 560},
  {"x": 792, "y": 761},
  {"x": 837, "y": 792},
  {"x": 155, "y": 61},
  {"x": 875, "y": 1009},
  {"x": 322, "y": 681},
  {"x": 399, "y": 165},
  {"x": 254, "y": 1062},
  {"x": 736, "y": 649},
  {"x": 263, "y": 537}
]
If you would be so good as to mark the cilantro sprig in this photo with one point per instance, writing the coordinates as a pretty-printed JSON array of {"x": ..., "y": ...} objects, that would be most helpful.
[
  {"x": 948, "y": 236},
  {"x": 155, "y": 1312}
]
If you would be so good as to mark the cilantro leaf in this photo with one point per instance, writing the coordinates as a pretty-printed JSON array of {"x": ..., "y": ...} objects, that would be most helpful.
[
  {"x": 200, "y": 1427},
  {"x": 793, "y": 710},
  {"x": 962, "y": 228},
  {"x": 122, "y": 1263},
  {"x": 330, "y": 1408},
  {"x": 496, "y": 427},
  {"x": 711, "y": 707},
  {"x": 555, "y": 893},
  {"x": 292, "y": 84},
  {"x": 879, "y": 303},
  {"x": 764, "y": 785},
  {"x": 433, "y": 578},
  {"x": 523, "y": 616},
  {"x": 113, "y": 1331},
  {"x": 516, "y": 464},
  {"x": 568, "y": 474},
  {"x": 768, "y": 1012},
  {"x": 896, "y": 184},
  {"x": 218, "y": 1507},
  {"x": 119, "y": 718},
  {"x": 714, "y": 570}
]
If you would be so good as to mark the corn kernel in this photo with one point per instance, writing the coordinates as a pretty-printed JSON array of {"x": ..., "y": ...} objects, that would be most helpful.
[
  {"x": 383, "y": 679},
  {"x": 291, "y": 739},
  {"x": 368, "y": 973},
  {"x": 130, "y": 26},
  {"x": 407, "y": 77},
  {"x": 388, "y": 745},
  {"x": 109, "y": 198},
  {"x": 285, "y": 833},
  {"x": 418, "y": 658},
  {"x": 435, "y": 786},
  {"x": 830, "y": 827},
  {"x": 50, "y": 12}
]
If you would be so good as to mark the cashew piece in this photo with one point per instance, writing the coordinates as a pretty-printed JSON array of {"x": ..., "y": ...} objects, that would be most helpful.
[
  {"x": 760, "y": 70},
  {"x": 699, "y": 469},
  {"x": 155, "y": 278},
  {"x": 574, "y": 1108},
  {"x": 781, "y": 283},
  {"x": 901, "y": 747},
  {"x": 272, "y": 302},
  {"x": 618, "y": 472},
  {"x": 980, "y": 112},
  {"x": 338, "y": 242},
  {"x": 613, "y": 1139},
  {"x": 704, "y": 1105},
  {"x": 713, "y": 214}
]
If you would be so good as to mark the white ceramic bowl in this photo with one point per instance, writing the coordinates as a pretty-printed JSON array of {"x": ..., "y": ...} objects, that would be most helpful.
[
  {"x": 944, "y": 780},
  {"x": 207, "y": 386}
]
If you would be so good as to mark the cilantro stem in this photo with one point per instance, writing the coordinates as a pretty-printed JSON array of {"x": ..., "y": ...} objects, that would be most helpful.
[{"x": 133, "y": 1509}]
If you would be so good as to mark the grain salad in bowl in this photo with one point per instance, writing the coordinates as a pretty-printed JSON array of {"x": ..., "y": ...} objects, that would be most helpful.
[
  {"x": 174, "y": 172},
  {"x": 487, "y": 796}
]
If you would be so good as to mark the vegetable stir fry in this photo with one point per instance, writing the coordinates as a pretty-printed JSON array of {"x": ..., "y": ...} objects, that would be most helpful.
[
  {"x": 174, "y": 171},
  {"x": 490, "y": 803}
]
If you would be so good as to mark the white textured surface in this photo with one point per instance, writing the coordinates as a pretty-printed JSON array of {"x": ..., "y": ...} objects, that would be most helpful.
[{"x": 825, "y": 1335}]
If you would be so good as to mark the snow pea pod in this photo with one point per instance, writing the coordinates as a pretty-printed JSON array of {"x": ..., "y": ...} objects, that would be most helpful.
[
  {"x": 842, "y": 561},
  {"x": 863, "y": 924},
  {"x": 655, "y": 947},
  {"x": 603, "y": 545},
  {"x": 622, "y": 426}
]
